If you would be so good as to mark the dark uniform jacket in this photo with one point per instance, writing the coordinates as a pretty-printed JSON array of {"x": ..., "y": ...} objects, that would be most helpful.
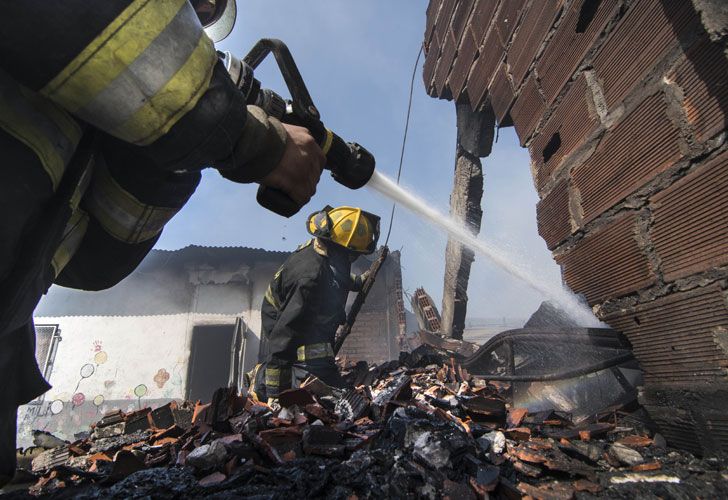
[
  {"x": 302, "y": 309},
  {"x": 108, "y": 113}
]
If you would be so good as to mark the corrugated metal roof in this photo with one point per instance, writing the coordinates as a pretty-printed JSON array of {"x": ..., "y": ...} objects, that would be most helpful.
[
  {"x": 166, "y": 283},
  {"x": 46, "y": 317},
  {"x": 197, "y": 253}
]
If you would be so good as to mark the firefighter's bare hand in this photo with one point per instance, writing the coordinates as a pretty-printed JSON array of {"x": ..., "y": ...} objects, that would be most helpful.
[{"x": 300, "y": 168}]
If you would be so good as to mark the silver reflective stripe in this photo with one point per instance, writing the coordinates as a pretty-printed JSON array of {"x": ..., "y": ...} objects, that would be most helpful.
[
  {"x": 120, "y": 213},
  {"x": 73, "y": 235},
  {"x": 147, "y": 75},
  {"x": 39, "y": 124},
  {"x": 314, "y": 351}
]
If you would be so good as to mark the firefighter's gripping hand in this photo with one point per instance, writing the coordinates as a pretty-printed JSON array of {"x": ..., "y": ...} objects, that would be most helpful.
[{"x": 299, "y": 170}]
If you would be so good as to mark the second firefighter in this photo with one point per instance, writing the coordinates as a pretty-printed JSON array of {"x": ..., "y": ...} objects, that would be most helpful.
[{"x": 306, "y": 300}]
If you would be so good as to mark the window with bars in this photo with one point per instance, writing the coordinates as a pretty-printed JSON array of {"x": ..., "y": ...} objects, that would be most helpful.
[{"x": 46, "y": 344}]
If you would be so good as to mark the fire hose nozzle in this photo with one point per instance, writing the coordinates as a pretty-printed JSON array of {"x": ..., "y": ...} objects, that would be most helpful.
[
  {"x": 356, "y": 169},
  {"x": 350, "y": 164}
]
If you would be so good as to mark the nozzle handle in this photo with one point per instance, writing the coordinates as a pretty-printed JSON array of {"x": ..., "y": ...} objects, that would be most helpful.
[
  {"x": 350, "y": 164},
  {"x": 277, "y": 201}
]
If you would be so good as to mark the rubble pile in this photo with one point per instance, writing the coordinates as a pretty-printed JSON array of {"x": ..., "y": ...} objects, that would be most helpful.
[{"x": 417, "y": 427}]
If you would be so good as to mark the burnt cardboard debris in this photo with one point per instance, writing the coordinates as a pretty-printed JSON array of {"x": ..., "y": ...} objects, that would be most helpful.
[{"x": 420, "y": 428}]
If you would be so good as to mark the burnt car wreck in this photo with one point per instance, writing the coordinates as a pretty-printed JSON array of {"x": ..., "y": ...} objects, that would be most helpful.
[{"x": 579, "y": 370}]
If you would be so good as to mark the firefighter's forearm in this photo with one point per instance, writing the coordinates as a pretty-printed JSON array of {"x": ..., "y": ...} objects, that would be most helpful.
[{"x": 259, "y": 149}]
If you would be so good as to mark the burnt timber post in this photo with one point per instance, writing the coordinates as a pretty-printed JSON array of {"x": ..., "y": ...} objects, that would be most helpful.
[{"x": 474, "y": 141}]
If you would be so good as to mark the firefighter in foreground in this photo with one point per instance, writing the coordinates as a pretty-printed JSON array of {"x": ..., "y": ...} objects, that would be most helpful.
[
  {"x": 108, "y": 113},
  {"x": 305, "y": 302}
]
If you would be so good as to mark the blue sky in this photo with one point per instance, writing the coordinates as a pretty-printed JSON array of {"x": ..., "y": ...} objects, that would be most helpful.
[{"x": 356, "y": 59}]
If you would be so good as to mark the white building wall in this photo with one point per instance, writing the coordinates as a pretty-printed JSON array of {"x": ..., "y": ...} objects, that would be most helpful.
[
  {"x": 105, "y": 363},
  {"x": 131, "y": 347},
  {"x": 122, "y": 353}
]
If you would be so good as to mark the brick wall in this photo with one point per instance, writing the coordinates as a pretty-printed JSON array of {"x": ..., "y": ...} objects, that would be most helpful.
[
  {"x": 622, "y": 105},
  {"x": 375, "y": 335}
]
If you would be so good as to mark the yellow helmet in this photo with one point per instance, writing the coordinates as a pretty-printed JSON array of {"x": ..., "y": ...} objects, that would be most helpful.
[{"x": 349, "y": 227}]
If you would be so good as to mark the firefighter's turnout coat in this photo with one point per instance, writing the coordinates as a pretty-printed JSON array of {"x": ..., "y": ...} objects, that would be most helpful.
[
  {"x": 302, "y": 309},
  {"x": 108, "y": 113}
]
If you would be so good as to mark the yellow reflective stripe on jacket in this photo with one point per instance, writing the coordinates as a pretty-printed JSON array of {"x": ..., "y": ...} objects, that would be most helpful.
[
  {"x": 166, "y": 107},
  {"x": 314, "y": 351},
  {"x": 121, "y": 214},
  {"x": 278, "y": 377},
  {"x": 144, "y": 71},
  {"x": 319, "y": 248},
  {"x": 304, "y": 245},
  {"x": 271, "y": 299},
  {"x": 76, "y": 226},
  {"x": 38, "y": 123},
  {"x": 251, "y": 379},
  {"x": 72, "y": 236},
  {"x": 269, "y": 296}
]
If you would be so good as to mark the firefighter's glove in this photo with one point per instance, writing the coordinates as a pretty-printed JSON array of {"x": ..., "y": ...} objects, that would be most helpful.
[
  {"x": 299, "y": 170},
  {"x": 359, "y": 280},
  {"x": 277, "y": 155}
]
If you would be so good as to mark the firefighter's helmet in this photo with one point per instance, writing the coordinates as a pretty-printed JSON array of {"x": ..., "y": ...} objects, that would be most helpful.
[
  {"x": 349, "y": 227},
  {"x": 216, "y": 16}
]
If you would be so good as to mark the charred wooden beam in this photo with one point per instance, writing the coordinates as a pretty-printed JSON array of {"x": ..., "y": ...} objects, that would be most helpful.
[{"x": 474, "y": 141}]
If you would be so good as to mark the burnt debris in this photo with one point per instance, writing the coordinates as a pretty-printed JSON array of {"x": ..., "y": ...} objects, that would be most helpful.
[{"x": 420, "y": 427}]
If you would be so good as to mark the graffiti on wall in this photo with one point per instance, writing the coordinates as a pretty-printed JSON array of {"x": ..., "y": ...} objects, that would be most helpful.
[
  {"x": 69, "y": 414},
  {"x": 161, "y": 377}
]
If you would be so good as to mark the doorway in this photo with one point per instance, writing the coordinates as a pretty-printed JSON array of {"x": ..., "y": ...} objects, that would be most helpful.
[{"x": 210, "y": 355}]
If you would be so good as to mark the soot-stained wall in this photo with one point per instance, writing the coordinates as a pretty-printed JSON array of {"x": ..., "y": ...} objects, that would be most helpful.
[
  {"x": 622, "y": 105},
  {"x": 143, "y": 342},
  {"x": 376, "y": 332}
]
